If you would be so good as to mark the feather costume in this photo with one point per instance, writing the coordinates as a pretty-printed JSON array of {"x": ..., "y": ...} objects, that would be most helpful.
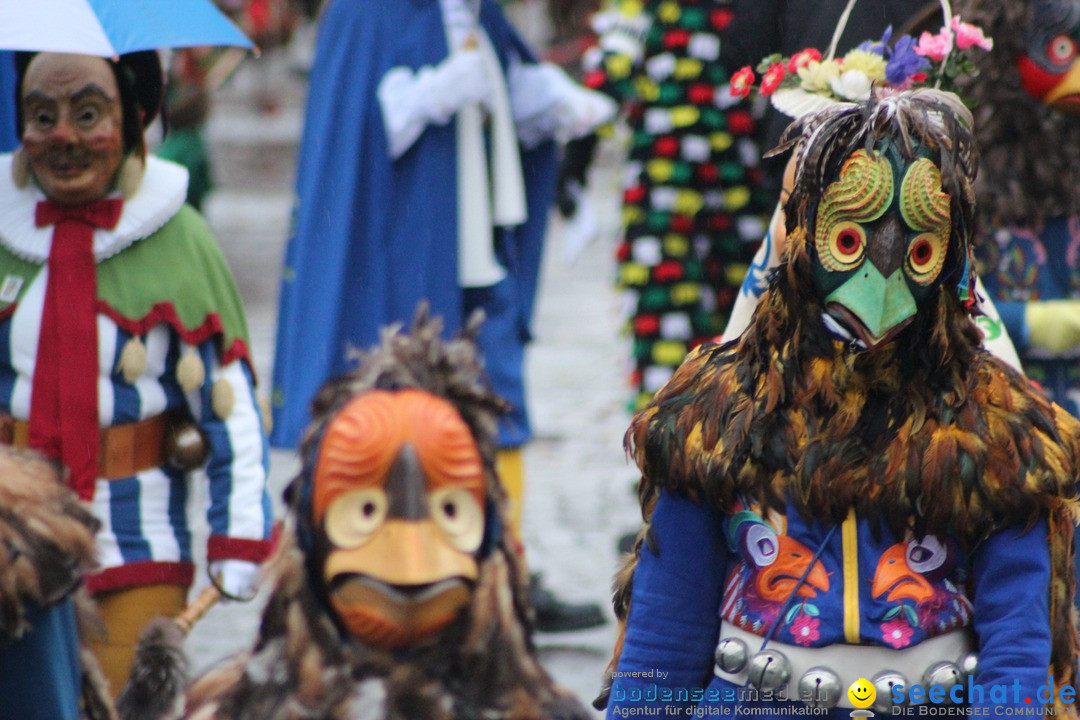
[
  {"x": 320, "y": 654},
  {"x": 819, "y": 410}
]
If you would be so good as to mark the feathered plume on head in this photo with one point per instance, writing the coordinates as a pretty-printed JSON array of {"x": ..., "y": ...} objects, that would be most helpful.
[
  {"x": 451, "y": 369},
  {"x": 1030, "y": 152}
]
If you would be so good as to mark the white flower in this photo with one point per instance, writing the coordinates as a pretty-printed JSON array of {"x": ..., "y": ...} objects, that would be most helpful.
[{"x": 851, "y": 85}]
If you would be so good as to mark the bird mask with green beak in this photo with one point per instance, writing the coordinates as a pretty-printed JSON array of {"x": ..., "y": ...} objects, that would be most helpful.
[{"x": 881, "y": 238}]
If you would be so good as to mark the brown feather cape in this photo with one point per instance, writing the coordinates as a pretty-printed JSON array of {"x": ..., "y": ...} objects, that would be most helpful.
[{"x": 304, "y": 666}]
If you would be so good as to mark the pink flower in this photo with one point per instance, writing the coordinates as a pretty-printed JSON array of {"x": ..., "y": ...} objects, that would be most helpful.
[
  {"x": 742, "y": 82},
  {"x": 801, "y": 59},
  {"x": 772, "y": 79},
  {"x": 935, "y": 47},
  {"x": 805, "y": 629},
  {"x": 896, "y": 633},
  {"x": 968, "y": 35}
]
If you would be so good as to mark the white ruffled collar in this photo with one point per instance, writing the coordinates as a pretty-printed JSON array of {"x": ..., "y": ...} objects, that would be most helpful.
[{"x": 161, "y": 194}]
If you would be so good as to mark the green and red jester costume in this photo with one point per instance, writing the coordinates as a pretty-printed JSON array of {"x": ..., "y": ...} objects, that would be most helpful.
[{"x": 693, "y": 207}]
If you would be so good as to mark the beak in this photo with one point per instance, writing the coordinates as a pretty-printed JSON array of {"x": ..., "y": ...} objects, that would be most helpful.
[
  {"x": 777, "y": 580},
  {"x": 873, "y": 307},
  {"x": 402, "y": 586},
  {"x": 893, "y": 576},
  {"x": 403, "y": 553},
  {"x": 1065, "y": 96}
]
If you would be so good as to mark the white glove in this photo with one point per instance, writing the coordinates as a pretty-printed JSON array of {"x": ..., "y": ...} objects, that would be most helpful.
[
  {"x": 411, "y": 101},
  {"x": 547, "y": 104},
  {"x": 581, "y": 110},
  {"x": 237, "y": 579},
  {"x": 458, "y": 80}
]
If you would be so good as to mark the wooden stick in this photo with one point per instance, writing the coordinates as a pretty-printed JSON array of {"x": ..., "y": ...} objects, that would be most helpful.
[{"x": 191, "y": 614}]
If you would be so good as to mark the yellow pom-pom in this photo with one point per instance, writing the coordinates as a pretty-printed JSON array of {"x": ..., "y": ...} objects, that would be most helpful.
[
  {"x": 132, "y": 360},
  {"x": 684, "y": 116},
  {"x": 688, "y": 69},
  {"x": 190, "y": 371},
  {"x": 669, "y": 11},
  {"x": 222, "y": 398},
  {"x": 660, "y": 170}
]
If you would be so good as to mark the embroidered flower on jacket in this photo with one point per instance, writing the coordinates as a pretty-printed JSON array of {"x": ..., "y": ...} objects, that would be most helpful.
[
  {"x": 805, "y": 630},
  {"x": 896, "y": 633}
]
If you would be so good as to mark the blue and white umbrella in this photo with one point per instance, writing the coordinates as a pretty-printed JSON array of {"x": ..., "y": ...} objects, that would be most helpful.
[{"x": 113, "y": 27}]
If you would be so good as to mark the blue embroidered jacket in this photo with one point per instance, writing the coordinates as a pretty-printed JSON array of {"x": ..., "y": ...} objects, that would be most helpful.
[{"x": 865, "y": 587}]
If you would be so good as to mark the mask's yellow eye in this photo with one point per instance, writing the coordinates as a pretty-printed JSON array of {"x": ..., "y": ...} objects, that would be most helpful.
[
  {"x": 460, "y": 516},
  {"x": 354, "y": 516},
  {"x": 845, "y": 246},
  {"x": 926, "y": 255}
]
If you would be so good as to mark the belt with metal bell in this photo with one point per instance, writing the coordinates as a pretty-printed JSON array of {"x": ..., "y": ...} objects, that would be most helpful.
[{"x": 820, "y": 676}]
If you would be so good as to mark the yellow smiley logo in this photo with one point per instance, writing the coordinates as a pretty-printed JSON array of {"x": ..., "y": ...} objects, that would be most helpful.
[{"x": 861, "y": 693}]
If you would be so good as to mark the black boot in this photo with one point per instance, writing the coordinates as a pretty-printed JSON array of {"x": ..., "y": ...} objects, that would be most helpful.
[{"x": 554, "y": 615}]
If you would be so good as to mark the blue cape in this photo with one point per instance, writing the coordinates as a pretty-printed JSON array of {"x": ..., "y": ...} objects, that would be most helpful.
[
  {"x": 8, "y": 102},
  {"x": 373, "y": 237}
]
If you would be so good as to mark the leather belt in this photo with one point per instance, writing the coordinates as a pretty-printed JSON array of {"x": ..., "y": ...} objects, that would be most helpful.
[{"x": 126, "y": 449}]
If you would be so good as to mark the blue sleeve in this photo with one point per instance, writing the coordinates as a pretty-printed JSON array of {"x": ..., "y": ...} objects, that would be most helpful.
[
  {"x": 8, "y": 137},
  {"x": 1011, "y": 579},
  {"x": 674, "y": 610},
  {"x": 1012, "y": 316}
]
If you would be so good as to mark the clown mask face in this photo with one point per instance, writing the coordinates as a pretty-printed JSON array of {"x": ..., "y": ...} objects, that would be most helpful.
[
  {"x": 72, "y": 126},
  {"x": 399, "y": 499},
  {"x": 1050, "y": 66},
  {"x": 881, "y": 238}
]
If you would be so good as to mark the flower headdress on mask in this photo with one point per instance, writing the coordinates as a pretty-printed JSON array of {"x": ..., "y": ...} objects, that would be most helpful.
[{"x": 807, "y": 81}]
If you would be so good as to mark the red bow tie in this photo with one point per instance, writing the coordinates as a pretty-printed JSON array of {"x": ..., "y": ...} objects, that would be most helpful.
[
  {"x": 63, "y": 401},
  {"x": 99, "y": 214}
]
